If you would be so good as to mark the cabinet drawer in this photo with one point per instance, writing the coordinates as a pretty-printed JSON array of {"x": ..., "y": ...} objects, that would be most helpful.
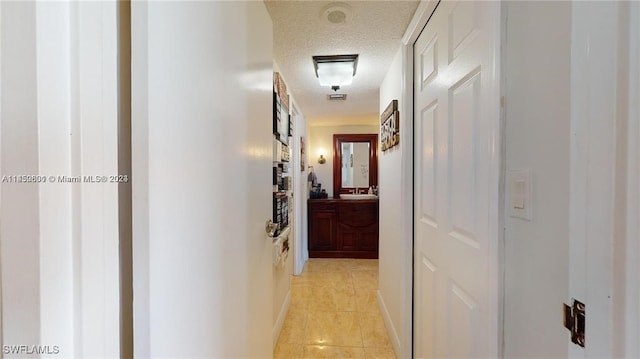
[
  {"x": 358, "y": 214},
  {"x": 322, "y": 206}
]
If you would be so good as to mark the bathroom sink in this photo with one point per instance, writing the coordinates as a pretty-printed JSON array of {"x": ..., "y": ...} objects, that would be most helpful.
[{"x": 358, "y": 196}]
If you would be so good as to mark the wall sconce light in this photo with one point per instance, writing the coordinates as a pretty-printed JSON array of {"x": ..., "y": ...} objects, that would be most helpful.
[
  {"x": 335, "y": 70},
  {"x": 321, "y": 160}
]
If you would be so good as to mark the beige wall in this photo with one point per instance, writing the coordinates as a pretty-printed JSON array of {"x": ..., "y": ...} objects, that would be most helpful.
[{"x": 321, "y": 140}]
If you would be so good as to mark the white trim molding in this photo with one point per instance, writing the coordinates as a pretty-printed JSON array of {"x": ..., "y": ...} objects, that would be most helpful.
[
  {"x": 632, "y": 326},
  {"x": 391, "y": 330},
  {"x": 418, "y": 22},
  {"x": 282, "y": 315},
  {"x": 604, "y": 254}
]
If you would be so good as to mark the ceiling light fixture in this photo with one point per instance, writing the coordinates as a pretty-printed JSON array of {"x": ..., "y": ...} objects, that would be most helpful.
[{"x": 335, "y": 70}]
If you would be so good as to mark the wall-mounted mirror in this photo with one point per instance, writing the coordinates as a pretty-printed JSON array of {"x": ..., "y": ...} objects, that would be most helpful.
[{"x": 355, "y": 162}]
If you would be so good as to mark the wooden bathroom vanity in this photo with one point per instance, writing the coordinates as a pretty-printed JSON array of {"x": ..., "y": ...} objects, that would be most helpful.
[{"x": 343, "y": 228}]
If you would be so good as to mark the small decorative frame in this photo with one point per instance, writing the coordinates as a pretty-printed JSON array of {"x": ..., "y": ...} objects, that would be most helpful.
[
  {"x": 390, "y": 126},
  {"x": 282, "y": 126},
  {"x": 302, "y": 154}
]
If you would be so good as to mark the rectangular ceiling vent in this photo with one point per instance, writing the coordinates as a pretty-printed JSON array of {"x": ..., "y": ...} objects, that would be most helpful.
[{"x": 337, "y": 97}]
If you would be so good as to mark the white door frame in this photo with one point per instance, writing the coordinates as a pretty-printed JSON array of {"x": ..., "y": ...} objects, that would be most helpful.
[
  {"x": 604, "y": 206},
  {"x": 68, "y": 113},
  {"x": 632, "y": 326},
  {"x": 1, "y": 334},
  {"x": 300, "y": 254},
  {"x": 421, "y": 17}
]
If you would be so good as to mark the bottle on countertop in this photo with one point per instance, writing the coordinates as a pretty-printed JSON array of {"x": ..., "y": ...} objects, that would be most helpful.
[{"x": 370, "y": 190}]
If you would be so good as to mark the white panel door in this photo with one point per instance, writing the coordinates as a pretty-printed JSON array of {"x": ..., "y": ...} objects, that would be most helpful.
[
  {"x": 456, "y": 191},
  {"x": 201, "y": 158}
]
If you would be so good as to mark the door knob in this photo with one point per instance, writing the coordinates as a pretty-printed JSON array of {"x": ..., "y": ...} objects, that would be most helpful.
[{"x": 270, "y": 227}]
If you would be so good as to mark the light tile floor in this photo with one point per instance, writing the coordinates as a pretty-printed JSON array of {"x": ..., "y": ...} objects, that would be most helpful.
[{"x": 334, "y": 313}]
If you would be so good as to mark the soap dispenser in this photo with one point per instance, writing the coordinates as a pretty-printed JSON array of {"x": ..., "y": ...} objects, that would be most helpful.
[{"x": 370, "y": 190}]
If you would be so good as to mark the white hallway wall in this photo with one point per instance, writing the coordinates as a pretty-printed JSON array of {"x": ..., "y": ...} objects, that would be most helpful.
[
  {"x": 537, "y": 138},
  {"x": 393, "y": 286},
  {"x": 298, "y": 223},
  {"x": 301, "y": 192},
  {"x": 282, "y": 275}
]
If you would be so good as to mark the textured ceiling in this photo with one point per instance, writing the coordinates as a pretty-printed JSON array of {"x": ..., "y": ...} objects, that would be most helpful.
[{"x": 373, "y": 29}]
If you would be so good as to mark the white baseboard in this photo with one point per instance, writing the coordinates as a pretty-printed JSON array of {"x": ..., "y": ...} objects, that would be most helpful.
[
  {"x": 277, "y": 326},
  {"x": 391, "y": 330}
]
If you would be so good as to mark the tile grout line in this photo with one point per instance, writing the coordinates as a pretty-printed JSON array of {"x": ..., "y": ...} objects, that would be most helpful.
[
  {"x": 358, "y": 314},
  {"x": 353, "y": 289}
]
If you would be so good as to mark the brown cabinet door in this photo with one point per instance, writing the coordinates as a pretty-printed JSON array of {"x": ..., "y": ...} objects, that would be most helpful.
[
  {"x": 347, "y": 238},
  {"x": 322, "y": 231},
  {"x": 368, "y": 240}
]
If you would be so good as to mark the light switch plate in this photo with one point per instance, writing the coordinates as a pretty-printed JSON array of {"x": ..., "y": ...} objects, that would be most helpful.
[{"x": 519, "y": 194}]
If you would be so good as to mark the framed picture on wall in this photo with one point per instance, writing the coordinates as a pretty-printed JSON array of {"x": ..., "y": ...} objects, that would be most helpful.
[
  {"x": 302, "y": 154},
  {"x": 390, "y": 126},
  {"x": 283, "y": 131},
  {"x": 280, "y": 119}
]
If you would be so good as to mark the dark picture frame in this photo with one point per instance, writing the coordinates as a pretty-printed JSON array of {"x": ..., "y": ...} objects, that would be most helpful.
[
  {"x": 390, "y": 126},
  {"x": 302, "y": 155},
  {"x": 281, "y": 121}
]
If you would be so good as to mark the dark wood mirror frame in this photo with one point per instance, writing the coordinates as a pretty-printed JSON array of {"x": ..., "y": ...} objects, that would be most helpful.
[{"x": 338, "y": 139}]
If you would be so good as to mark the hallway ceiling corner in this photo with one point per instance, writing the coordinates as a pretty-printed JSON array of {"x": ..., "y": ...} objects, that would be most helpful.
[{"x": 372, "y": 29}]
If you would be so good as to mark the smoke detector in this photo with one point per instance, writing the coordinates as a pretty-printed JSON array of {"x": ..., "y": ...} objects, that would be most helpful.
[
  {"x": 336, "y": 13},
  {"x": 337, "y": 97}
]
